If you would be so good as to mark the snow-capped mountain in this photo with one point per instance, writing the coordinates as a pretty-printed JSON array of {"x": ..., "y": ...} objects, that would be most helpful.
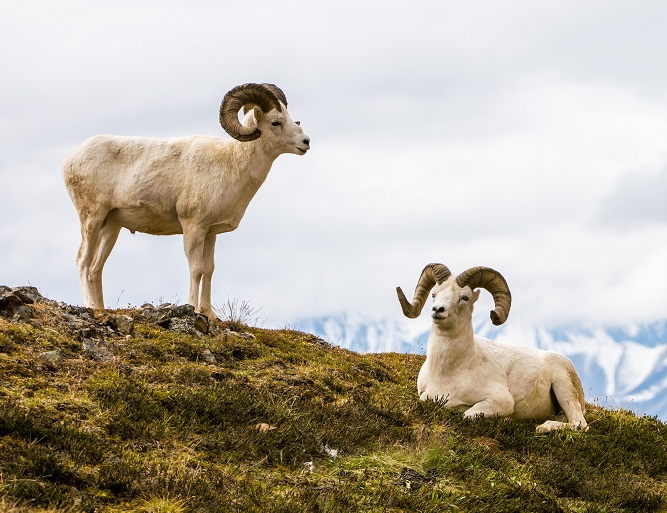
[
  {"x": 619, "y": 367},
  {"x": 365, "y": 334}
]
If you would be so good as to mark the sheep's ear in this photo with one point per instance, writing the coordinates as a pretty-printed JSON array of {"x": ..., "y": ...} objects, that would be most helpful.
[
  {"x": 258, "y": 114},
  {"x": 475, "y": 295}
]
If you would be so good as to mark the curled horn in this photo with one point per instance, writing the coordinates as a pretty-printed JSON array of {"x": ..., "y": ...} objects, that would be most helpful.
[
  {"x": 265, "y": 96},
  {"x": 275, "y": 90},
  {"x": 493, "y": 281},
  {"x": 278, "y": 92},
  {"x": 432, "y": 274}
]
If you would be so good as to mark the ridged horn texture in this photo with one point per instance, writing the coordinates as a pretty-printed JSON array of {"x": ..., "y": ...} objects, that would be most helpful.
[
  {"x": 493, "y": 281},
  {"x": 432, "y": 274},
  {"x": 278, "y": 92},
  {"x": 265, "y": 96}
]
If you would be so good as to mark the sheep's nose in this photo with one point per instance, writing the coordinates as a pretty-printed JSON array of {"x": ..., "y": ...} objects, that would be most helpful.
[
  {"x": 438, "y": 309},
  {"x": 306, "y": 141}
]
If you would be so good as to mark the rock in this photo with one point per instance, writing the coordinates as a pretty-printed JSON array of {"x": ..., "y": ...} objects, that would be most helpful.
[
  {"x": 95, "y": 348},
  {"x": 413, "y": 480},
  {"x": 52, "y": 359},
  {"x": 208, "y": 357},
  {"x": 8, "y": 301},
  {"x": 182, "y": 326},
  {"x": 28, "y": 295},
  {"x": 165, "y": 312},
  {"x": 225, "y": 334},
  {"x": 79, "y": 311},
  {"x": 23, "y": 313},
  {"x": 90, "y": 330},
  {"x": 15, "y": 303},
  {"x": 123, "y": 324},
  {"x": 321, "y": 342},
  {"x": 183, "y": 311},
  {"x": 181, "y": 318},
  {"x": 202, "y": 323},
  {"x": 169, "y": 311}
]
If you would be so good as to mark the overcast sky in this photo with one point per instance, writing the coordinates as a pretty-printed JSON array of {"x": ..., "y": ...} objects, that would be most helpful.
[{"x": 527, "y": 136}]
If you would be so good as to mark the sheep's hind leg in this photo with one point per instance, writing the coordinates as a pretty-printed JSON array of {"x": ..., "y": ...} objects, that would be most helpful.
[
  {"x": 90, "y": 232},
  {"x": 567, "y": 388},
  {"x": 105, "y": 243}
]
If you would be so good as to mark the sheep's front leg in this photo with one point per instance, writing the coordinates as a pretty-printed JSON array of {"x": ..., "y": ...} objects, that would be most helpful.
[
  {"x": 194, "y": 241},
  {"x": 209, "y": 266},
  {"x": 497, "y": 406}
]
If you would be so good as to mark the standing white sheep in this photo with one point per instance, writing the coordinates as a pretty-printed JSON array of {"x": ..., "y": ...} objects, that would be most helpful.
[
  {"x": 197, "y": 186},
  {"x": 479, "y": 375}
]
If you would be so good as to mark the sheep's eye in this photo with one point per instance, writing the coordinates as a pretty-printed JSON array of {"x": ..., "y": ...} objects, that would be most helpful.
[
  {"x": 465, "y": 298},
  {"x": 433, "y": 295},
  {"x": 276, "y": 123},
  {"x": 298, "y": 123}
]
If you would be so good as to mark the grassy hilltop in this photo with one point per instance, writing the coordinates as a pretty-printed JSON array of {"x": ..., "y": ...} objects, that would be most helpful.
[{"x": 143, "y": 410}]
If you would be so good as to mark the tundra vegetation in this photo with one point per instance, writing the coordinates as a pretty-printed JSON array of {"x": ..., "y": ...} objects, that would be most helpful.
[{"x": 136, "y": 410}]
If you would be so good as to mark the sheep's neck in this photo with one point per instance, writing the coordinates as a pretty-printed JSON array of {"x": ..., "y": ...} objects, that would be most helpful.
[
  {"x": 448, "y": 346},
  {"x": 253, "y": 168},
  {"x": 243, "y": 171}
]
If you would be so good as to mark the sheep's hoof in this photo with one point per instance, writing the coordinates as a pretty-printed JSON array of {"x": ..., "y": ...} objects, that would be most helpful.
[
  {"x": 549, "y": 426},
  {"x": 208, "y": 313},
  {"x": 553, "y": 425}
]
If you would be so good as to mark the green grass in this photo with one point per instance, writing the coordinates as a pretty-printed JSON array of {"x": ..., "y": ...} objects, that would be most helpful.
[{"x": 156, "y": 429}]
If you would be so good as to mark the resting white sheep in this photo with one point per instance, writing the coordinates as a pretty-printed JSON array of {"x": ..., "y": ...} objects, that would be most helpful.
[
  {"x": 479, "y": 375},
  {"x": 197, "y": 186}
]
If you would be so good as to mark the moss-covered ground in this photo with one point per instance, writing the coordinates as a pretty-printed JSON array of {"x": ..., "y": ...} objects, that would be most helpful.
[{"x": 283, "y": 422}]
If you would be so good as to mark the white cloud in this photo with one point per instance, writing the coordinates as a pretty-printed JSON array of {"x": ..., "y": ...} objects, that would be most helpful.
[
  {"x": 638, "y": 199},
  {"x": 517, "y": 135}
]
